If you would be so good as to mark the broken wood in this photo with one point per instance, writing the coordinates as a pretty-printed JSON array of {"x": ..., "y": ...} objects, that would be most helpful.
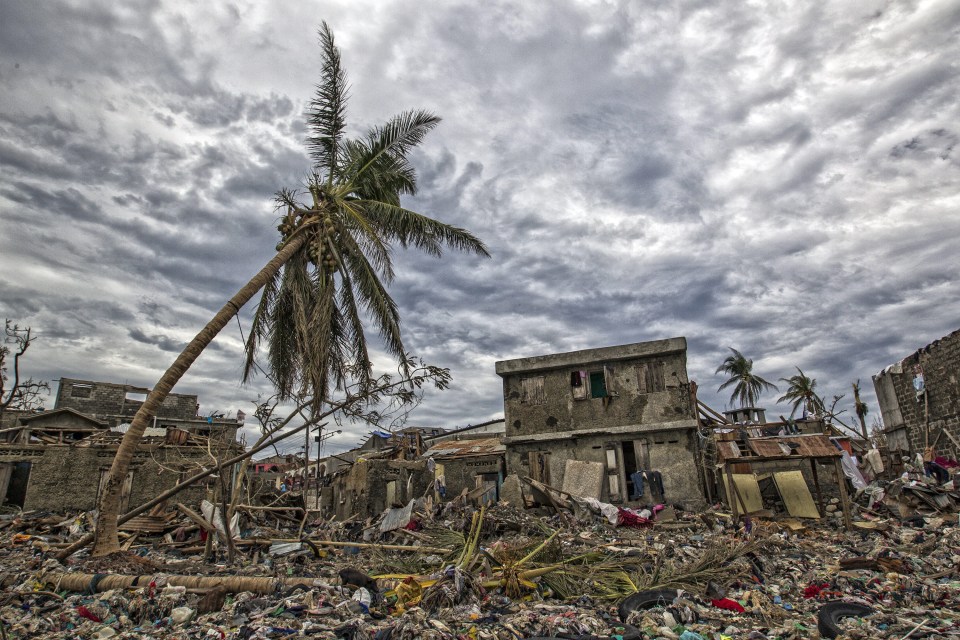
[
  {"x": 196, "y": 518},
  {"x": 88, "y": 582}
]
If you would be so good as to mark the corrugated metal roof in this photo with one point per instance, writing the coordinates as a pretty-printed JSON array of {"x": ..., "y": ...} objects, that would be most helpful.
[
  {"x": 467, "y": 448},
  {"x": 813, "y": 445}
]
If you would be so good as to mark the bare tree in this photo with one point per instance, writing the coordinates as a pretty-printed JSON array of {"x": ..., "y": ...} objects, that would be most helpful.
[{"x": 16, "y": 393}]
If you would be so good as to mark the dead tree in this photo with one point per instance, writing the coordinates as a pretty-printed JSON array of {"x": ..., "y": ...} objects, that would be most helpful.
[{"x": 16, "y": 393}]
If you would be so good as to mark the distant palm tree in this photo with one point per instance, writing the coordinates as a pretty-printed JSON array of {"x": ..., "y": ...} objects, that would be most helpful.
[
  {"x": 801, "y": 392},
  {"x": 860, "y": 407},
  {"x": 748, "y": 385}
]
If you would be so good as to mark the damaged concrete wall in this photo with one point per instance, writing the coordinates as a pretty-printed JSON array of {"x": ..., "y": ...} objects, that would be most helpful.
[
  {"x": 645, "y": 383},
  {"x": 632, "y": 400},
  {"x": 64, "y": 478},
  {"x": 371, "y": 486},
  {"x": 461, "y": 473},
  {"x": 925, "y": 415},
  {"x": 669, "y": 452}
]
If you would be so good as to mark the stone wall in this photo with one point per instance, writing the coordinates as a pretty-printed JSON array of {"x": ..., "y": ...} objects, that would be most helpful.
[{"x": 925, "y": 416}]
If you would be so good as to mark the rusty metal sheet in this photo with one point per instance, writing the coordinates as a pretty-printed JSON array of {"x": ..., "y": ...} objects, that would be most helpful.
[
  {"x": 467, "y": 448},
  {"x": 802, "y": 446}
]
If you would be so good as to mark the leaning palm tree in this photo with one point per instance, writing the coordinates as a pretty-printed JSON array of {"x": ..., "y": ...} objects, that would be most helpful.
[
  {"x": 801, "y": 392},
  {"x": 333, "y": 258},
  {"x": 747, "y": 386}
]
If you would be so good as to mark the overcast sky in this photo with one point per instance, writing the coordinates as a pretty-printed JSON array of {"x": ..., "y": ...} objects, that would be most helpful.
[{"x": 779, "y": 177}]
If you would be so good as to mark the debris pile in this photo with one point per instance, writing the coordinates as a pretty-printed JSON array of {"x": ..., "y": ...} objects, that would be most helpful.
[{"x": 452, "y": 570}]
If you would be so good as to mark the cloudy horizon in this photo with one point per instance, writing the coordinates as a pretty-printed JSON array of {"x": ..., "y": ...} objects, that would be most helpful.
[{"x": 777, "y": 178}]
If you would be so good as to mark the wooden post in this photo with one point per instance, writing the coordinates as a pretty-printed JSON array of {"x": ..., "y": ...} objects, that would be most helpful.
[
  {"x": 816, "y": 484},
  {"x": 731, "y": 490},
  {"x": 844, "y": 503}
]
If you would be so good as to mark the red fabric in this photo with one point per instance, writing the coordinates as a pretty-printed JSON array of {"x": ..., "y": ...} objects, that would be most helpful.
[
  {"x": 629, "y": 519},
  {"x": 728, "y": 604},
  {"x": 813, "y": 589},
  {"x": 86, "y": 613},
  {"x": 946, "y": 463}
]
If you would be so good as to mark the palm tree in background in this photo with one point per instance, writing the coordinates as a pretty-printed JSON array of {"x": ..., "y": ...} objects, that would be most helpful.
[
  {"x": 747, "y": 385},
  {"x": 801, "y": 392},
  {"x": 861, "y": 409},
  {"x": 334, "y": 254}
]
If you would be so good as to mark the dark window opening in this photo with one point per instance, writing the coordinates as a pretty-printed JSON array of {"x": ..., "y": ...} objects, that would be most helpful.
[
  {"x": 80, "y": 390},
  {"x": 598, "y": 385}
]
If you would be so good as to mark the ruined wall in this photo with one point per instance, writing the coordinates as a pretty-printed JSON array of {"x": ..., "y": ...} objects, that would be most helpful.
[
  {"x": 461, "y": 473},
  {"x": 940, "y": 363},
  {"x": 64, "y": 478},
  {"x": 643, "y": 387},
  {"x": 363, "y": 490},
  {"x": 108, "y": 401},
  {"x": 670, "y": 452}
]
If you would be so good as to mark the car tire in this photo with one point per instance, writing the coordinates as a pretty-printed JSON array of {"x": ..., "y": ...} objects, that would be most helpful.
[
  {"x": 830, "y": 615},
  {"x": 645, "y": 600}
]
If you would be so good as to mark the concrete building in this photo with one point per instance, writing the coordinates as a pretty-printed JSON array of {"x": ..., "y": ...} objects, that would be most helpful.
[
  {"x": 57, "y": 460},
  {"x": 919, "y": 399},
  {"x": 587, "y": 421}
]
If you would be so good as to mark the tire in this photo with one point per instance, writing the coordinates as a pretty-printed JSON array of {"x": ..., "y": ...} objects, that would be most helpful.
[
  {"x": 830, "y": 615},
  {"x": 645, "y": 600}
]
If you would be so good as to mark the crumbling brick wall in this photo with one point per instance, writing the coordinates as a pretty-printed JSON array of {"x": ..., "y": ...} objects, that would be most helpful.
[
  {"x": 110, "y": 401},
  {"x": 925, "y": 415}
]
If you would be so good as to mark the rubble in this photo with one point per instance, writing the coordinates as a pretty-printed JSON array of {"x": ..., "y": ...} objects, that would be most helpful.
[{"x": 498, "y": 573}]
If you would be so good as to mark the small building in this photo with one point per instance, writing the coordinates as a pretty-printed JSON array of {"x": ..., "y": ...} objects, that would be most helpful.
[
  {"x": 919, "y": 399},
  {"x": 57, "y": 460},
  {"x": 471, "y": 464},
  {"x": 588, "y": 422}
]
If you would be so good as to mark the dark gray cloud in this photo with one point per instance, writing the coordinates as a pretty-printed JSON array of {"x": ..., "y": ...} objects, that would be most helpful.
[{"x": 780, "y": 181}]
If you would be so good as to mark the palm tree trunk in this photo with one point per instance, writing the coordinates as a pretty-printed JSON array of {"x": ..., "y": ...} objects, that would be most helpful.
[{"x": 108, "y": 504}]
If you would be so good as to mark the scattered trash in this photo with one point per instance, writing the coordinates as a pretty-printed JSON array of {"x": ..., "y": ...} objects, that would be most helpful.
[{"x": 574, "y": 569}]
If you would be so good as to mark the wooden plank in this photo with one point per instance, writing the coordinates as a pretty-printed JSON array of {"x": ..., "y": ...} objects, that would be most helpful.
[
  {"x": 196, "y": 518},
  {"x": 745, "y": 484},
  {"x": 795, "y": 493}
]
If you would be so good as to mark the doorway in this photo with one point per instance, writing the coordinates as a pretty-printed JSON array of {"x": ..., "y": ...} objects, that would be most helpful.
[{"x": 17, "y": 487}]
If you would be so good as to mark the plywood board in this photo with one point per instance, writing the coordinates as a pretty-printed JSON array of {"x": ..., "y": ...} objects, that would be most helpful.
[
  {"x": 581, "y": 478},
  {"x": 796, "y": 494},
  {"x": 749, "y": 491}
]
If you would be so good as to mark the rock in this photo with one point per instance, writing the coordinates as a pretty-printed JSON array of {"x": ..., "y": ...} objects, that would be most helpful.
[
  {"x": 182, "y": 615},
  {"x": 104, "y": 632}
]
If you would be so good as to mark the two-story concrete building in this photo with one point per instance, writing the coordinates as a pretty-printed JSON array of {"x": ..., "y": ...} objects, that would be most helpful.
[{"x": 615, "y": 423}]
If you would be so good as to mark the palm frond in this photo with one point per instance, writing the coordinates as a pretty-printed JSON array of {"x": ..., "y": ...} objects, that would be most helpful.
[
  {"x": 326, "y": 113},
  {"x": 429, "y": 235}
]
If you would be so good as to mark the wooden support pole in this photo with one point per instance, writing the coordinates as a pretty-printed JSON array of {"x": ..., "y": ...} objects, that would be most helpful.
[
  {"x": 816, "y": 484},
  {"x": 732, "y": 494},
  {"x": 844, "y": 502}
]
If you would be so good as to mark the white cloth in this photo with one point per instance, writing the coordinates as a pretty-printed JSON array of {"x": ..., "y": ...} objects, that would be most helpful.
[
  {"x": 851, "y": 471},
  {"x": 874, "y": 460}
]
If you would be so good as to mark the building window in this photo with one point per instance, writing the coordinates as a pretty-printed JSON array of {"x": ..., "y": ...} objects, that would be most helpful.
[
  {"x": 532, "y": 391},
  {"x": 598, "y": 384},
  {"x": 578, "y": 385},
  {"x": 650, "y": 377},
  {"x": 80, "y": 390}
]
